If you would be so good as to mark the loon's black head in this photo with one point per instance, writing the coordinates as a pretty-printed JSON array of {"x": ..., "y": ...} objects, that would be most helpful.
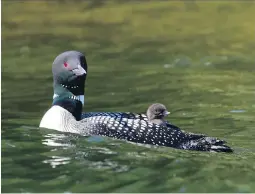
[
  {"x": 157, "y": 111},
  {"x": 69, "y": 75}
]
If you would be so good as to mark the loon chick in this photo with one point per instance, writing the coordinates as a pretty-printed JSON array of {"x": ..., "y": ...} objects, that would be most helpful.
[
  {"x": 156, "y": 114},
  {"x": 69, "y": 74}
]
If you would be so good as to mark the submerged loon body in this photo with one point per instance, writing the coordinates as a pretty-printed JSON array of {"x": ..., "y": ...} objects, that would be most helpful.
[{"x": 65, "y": 115}]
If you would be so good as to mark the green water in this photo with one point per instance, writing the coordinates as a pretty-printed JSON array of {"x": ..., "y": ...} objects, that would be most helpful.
[{"x": 196, "y": 58}]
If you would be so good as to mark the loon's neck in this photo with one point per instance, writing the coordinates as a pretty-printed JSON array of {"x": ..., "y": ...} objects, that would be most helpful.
[
  {"x": 79, "y": 97},
  {"x": 67, "y": 100}
]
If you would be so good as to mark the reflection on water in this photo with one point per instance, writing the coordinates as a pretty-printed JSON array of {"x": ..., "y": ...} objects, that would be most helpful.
[
  {"x": 57, "y": 160},
  {"x": 107, "y": 164},
  {"x": 64, "y": 141},
  {"x": 55, "y": 140},
  {"x": 237, "y": 111}
]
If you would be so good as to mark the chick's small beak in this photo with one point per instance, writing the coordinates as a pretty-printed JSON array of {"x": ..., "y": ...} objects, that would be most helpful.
[
  {"x": 166, "y": 113},
  {"x": 79, "y": 71}
]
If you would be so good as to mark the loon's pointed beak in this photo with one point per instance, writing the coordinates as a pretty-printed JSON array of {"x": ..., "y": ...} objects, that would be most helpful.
[
  {"x": 79, "y": 71},
  {"x": 166, "y": 113}
]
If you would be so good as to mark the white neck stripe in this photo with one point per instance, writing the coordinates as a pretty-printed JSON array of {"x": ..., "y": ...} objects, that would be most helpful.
[{"x": 80, "y": 98}]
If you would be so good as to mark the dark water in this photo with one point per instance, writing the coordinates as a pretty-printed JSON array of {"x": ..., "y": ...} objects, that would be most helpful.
[
  {"x": 35, "y": 160},
  {"x": 205, "y": 80}
]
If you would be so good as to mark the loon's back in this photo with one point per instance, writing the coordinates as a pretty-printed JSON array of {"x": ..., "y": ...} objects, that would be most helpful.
[
  {"x": 131, "y": 127},
  {"x": 136, "y": 128}
]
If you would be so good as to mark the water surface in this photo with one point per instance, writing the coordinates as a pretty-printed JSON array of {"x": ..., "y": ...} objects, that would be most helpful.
[{"x": 200, "y": 65}]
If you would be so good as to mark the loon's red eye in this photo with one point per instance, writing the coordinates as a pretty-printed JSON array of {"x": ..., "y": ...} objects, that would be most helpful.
[{"x": 65, "y": 64}]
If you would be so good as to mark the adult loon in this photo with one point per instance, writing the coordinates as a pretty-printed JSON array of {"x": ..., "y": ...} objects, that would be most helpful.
[{"x": 69, "y": 74}]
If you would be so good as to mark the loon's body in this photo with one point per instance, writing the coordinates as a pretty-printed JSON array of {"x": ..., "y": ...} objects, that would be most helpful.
[
  {"x": 66, "y": 115},
  {"x": 131, "y": 127}
]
